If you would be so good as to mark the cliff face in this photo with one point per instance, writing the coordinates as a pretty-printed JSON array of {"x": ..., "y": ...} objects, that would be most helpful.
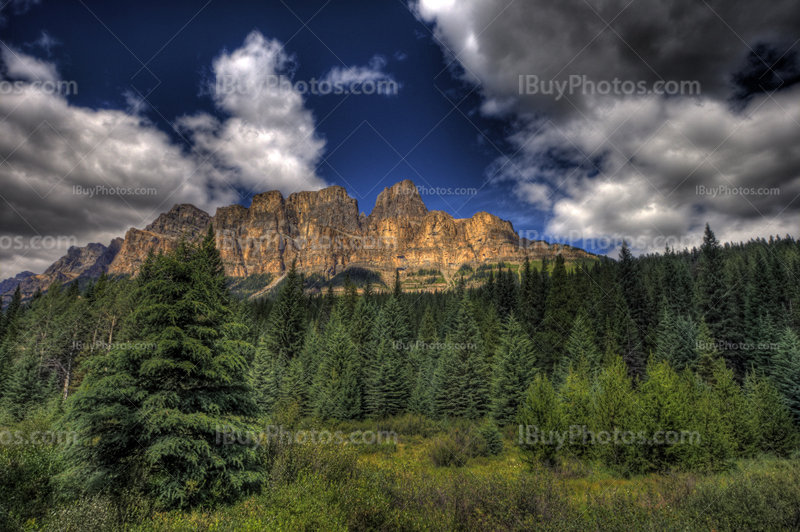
[{"x": 323, "y": 231}]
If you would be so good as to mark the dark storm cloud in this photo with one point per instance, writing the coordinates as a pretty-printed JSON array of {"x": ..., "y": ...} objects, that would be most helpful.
[{"x": 639, "y": 164}]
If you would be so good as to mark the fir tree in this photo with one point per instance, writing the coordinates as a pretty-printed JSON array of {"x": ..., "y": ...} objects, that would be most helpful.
[
  {"x": 337, "y": 387},
  {"x": 161, "y": 411},
  {"x": 707, "y": 354},
  {"x": 786, "y": 371},
  {"x": 769, "y": 418},
  {"x": 558, "y": 317},
  {"x": 26, "y": 388},
  {"x": 711, "y": 294},
  {"x": 540, "y": 418},
  {"x": 513, "y": 371},
  {"x": 460, "y": 381},
  {"x": 581, "y": 347},
  {"x": 284, "y": 338}
]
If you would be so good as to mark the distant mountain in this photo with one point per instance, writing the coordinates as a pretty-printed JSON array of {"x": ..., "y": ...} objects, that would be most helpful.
[
  {"x": 79, "y": 263},
  {"x": 324, "y": 232}
]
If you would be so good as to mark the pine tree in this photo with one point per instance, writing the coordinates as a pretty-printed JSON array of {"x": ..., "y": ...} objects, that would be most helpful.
[
  {"x": 558, "y": 317},
  {"x": 676, "y": 341},
  {"x": 614, "y": 408},
  {"x": 711, "y": 294},
  {"x": 27, "y": 387},
  {"x": 384, "y": 388},
  {"x": 337, "y": 386},
  {"x": 267, "y": 377},
  {"x": 284, "y": 338},
  {"x": 707, "y": 354},
  {"x": 461, "y": 378},
  {"x": 11, "y": 323},
  {"x": 160, "y": 411},
  {"x": 786, "y": 371},
  {"x": 632, "y": 285},
  {"x": 513, "y": 371},
  {"x": 769, "y": 418},
  {"x": 540, "y": 418},
  {"x": 581, "y": 347}
]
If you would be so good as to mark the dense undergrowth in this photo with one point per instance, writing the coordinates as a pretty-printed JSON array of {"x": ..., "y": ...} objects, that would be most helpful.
[{"x": 434, "y": 476}]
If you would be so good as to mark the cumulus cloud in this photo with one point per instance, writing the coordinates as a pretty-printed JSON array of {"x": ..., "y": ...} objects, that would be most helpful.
[
  {"x": 632, "y": 164},
  {"x": 53, "y": 154}
]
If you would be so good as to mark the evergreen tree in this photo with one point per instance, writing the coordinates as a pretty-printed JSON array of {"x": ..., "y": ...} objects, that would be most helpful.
[
  {"x": 707, "y": 354},
  {"x": 267, "y": 377},
  {"x": 513, "y": 371},
  {"x": 461, "y": 378},
  {"x": 159, "y": 412},
  {"x": 632, "y": 286},
  {"x": 581, "y": 347},
  {"x": 711, "y": 294},
  {"x": 786, "y": 371},
  {"x": 541, "y": 418},
  {"x": 27, "y": 387},
  {"x": 558, "y": 317},
  {"x": 337, "y": 387},
  {"x": 284, "y": 338},
  {"x": 676, "y": 340},
  {"x": 769, "y": 418}
]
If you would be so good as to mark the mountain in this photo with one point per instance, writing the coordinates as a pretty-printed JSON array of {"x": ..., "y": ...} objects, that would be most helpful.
[
  {"x": 325, "y": 233},
  {"x": 79, "y": 263}
]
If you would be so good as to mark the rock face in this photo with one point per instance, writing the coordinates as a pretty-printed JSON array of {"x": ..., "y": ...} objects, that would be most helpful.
[
  {"x": 79, "y": 263},
  {"x": 323, "y": 231}
]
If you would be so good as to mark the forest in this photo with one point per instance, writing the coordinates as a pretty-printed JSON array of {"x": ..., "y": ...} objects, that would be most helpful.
[{"x": 497, "y": 394}]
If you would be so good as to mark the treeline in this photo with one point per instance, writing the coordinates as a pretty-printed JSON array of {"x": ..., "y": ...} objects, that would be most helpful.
[{"x": 702, "y": 340}]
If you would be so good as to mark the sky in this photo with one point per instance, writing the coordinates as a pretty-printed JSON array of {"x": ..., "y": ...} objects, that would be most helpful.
[{"x": 580, "y": 121}]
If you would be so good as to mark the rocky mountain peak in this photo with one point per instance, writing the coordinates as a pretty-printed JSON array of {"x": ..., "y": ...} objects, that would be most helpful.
[
  {"x": 401, "y": 200},
  {"x": 182, "y": 220}
]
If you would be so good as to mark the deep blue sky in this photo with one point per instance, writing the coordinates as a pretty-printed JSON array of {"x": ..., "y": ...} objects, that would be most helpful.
[
  {"x": 102, "y": 44},
  {"x": 589, "y": 169}
]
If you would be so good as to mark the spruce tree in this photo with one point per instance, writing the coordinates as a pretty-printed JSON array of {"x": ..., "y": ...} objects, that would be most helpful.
[
  {"x": 581, "y": 347},
  {"x": 160, "y": 412},
  {"x": 707, "y": 354},
  {"x": 338, "y": 384},
  {"x": 558, "y": 317},
  {"x": 770, "y": 420},
  {"x": 27, "y": 387},
  {"x": 513, "y": 371},
  {"x": 786, "y": 371},
  {"x": 712, "y": 297},
  {"x": 461, "y": 379},
  {"x": 286, "y": 326},
  {"x": 541, "y": 418}
]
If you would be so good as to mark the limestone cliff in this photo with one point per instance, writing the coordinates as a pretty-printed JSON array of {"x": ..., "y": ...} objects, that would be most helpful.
[
  {"x": 323, "y": 231},
  {"x": 325, "y": 234}
]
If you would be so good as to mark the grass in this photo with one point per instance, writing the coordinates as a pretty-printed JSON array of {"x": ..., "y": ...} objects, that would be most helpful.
[{"x": 398, "y": 486}]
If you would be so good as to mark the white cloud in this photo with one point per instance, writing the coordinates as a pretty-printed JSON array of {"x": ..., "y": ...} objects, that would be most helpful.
[
  {"x": 357, "y": 75},
  {"x": 629, "y": 165},
  {"x": 50, "y": 146},
  {"x": 20, "y": 66}
]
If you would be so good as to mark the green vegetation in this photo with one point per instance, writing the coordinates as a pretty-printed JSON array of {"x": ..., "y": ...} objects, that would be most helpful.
[{"x": 657, "y": 392}]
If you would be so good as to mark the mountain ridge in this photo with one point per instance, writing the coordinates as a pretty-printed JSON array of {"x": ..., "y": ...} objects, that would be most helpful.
[{"x": 323, "y": 231}]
